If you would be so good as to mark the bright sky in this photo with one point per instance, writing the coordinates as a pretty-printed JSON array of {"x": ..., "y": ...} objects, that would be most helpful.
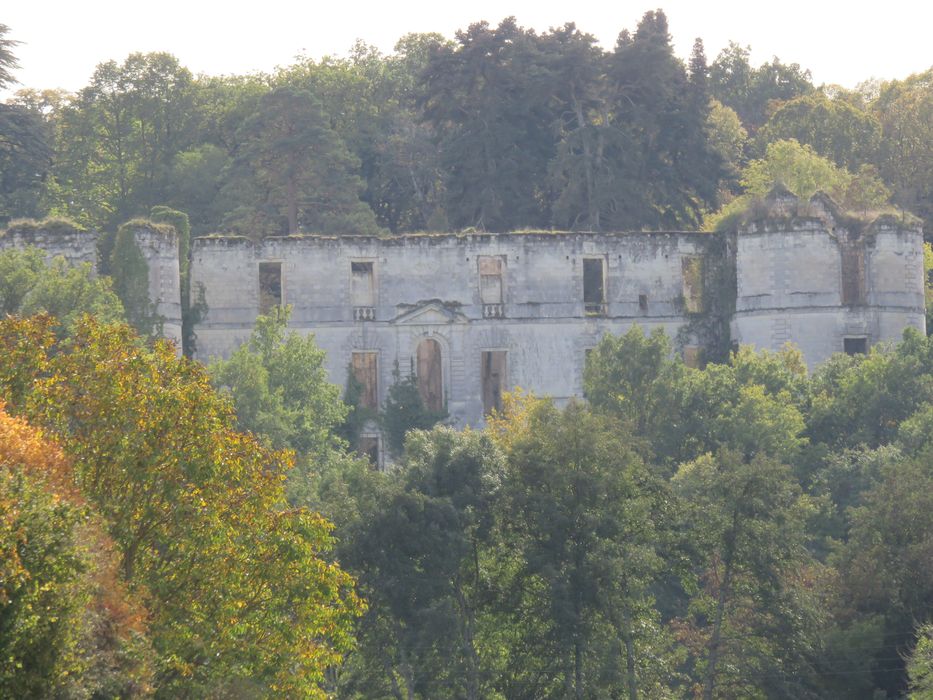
[{"x": 840, "y": 42}]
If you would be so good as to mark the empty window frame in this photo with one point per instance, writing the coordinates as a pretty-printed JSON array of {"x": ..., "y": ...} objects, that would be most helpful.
[
  {"x": 855, "y": 346},
  {"x": 594, "y": 286},
  {"x": 691, "y": 355},
  {"x": 362, "y": 284},
  {"x": 853, "y": 276},
  {"x": 270, "y": 286},
  {"x": 430, "y": 375},
  {"x": 491, "y": 283},
  {"x": 493, "y": 368},
  {"x": 693, "y": 292},
  {"x": 369, "y": 446},
  {"x": 365, "y": 368}
]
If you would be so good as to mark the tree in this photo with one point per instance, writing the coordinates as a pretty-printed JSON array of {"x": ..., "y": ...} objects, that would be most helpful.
[
  {"x": 905, "y": 110},
  {"x": 751, "y": 625},
  {"x": 30, "y": 285},
  {"x": 8, "y": 61},
  {"x": 130, "y": 274},
  {"x": 802, "y": 171},
  {"x": 305, "y": 177},
  {"x": 420, "y": 550},
  {"x": 67, "y": 624},
  {"x": 278, "y": 385},
  {"x": 727, "y": 138},
  {"x": 25, "y": 156},
  {"x": 488, "y": 100},
  {"x": 404, "y": 410},
  {"x": 582, "y": 519},
  {"x": 920, "y": 665},
  {"x": 754, "y": 92},
  {"x": 834, "y": 128},
  {"x": 120, "y": 135},
  {"x": 240, "y": 596}
]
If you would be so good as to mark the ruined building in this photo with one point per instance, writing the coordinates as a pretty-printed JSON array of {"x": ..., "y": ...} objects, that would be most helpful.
[{"x": 472, "y": 315}]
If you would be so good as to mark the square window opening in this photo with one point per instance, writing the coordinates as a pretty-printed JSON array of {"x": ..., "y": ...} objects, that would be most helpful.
[{"x": 855, "y": 346}]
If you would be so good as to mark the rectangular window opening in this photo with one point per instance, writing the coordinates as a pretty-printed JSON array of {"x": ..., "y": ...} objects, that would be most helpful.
[
  {"x": 369, "y": 447},
  {"x": 693, "y": 292},
  {"x": 270, "y": 286},
  {"x": 691, "y": 355},
  {"x": 365, "y": 370},
  {"x": 643, "y": 302},
  {"x": 855, "y": 346},
  {"x": 853, "y": 276},
  {"x": 362, "y": 287},
  {"x": 491, "y": 285},
  {"x": 587, "y": 357},
  {"x": 594, "y": 288},
  {"x": 493, "y": 374}
]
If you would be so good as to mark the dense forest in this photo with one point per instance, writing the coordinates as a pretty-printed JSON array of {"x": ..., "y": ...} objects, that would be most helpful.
[
  {"x": 500, "y": 128},
  {"x": 741, "y": 530}
]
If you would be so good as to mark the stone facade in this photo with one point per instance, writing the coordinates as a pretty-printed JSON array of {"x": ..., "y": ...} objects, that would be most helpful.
[
  {"x": 159, "y": 246},
  {"x": 521, "y": 309},
  {"x": 473, "y": 315},
  {"x": 825, "y": 282}
]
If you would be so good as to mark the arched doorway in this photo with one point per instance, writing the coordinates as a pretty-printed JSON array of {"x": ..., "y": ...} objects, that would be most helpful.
[{"x": 430, "y": 375}]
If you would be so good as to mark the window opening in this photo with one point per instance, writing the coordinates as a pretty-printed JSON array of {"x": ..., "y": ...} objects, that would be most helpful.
[
  {"x": 270, "y": 286},
  {"x": 430, "y": 375},
  {"x": 491, "y": 286},
  {"x": 362, "y": 291},
  {"x": 853, "y": 276},
  {"x": 692, "y": 270},
  {"x": 365, "y": 371},
  {"x": 855, "y": 346},
  {"x": 594, "y": 288},
  {"x": 369, "y": 447},
  {"x": 493, "y": 374}
]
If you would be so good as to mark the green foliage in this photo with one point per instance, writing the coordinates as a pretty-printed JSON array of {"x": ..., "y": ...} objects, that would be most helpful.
[
  {"x": 404, "y": 410},
  {"x": 240, "y": 595},
  {"x": 751, "y": 92},
  {"x": 130, "y": 273},
  {"x": 118, "y": 136},
  {"x": 190, "y": 313},
  {"x": 920, "y": 665},
  {"x": 905, "y": 110},
  {"x": 834, "y": 128},
  {"x": 278, "y": 386},
  {"x": 68, "y": 628},
  {"x": 357, "y": 416},
  {"x": 755, "y": 620},
  {"x": 29, "y": 285},
  {"x": 417, "y": 549},
  {"x": 304, "y": 176},
  {"x": 799, "y": 169}
]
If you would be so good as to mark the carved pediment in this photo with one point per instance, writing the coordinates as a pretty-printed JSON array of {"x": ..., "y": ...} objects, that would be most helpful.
[{"x": 433, "y": 312}]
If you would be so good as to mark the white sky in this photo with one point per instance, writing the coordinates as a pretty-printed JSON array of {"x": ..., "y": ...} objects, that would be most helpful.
[{"x": 840, "y": 42}]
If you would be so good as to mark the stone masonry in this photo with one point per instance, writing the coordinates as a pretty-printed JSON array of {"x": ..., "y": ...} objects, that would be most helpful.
[{"x": 472, "y": 315}]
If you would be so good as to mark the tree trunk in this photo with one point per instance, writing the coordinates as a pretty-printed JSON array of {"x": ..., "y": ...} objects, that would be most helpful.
[
  {"x": 631, "y": 681},
  {"x": 292, "y": 206},
  {"x": 716, "y": 639}
]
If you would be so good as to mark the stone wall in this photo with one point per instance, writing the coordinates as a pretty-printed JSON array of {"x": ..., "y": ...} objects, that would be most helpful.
[
  {"x": 55, "y": 238},
  {"x": 158, "y": 243},
  {"x": 522, "y": 309},
  {"x": 429, "y": 286},
  {"x": 817, "y": 278}
]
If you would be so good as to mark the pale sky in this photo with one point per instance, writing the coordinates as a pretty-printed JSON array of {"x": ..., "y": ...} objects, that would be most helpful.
[{"x": 840, "y": 42}]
